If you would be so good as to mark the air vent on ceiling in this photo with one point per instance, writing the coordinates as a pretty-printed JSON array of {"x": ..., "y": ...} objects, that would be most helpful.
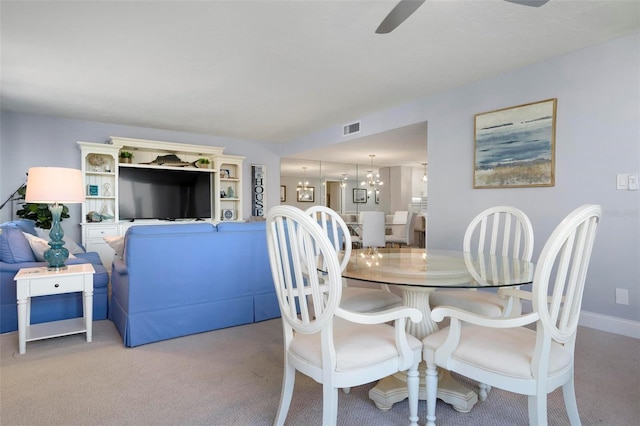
[{"x": 350, "y": 129}]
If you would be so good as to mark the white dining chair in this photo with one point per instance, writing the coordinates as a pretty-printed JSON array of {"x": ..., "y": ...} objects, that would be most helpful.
[
  {"x": 334, "y": 347},
  {"x": 357, "y": 299},
  {"x": 504, "y": 231},
  {"x": 504, "y": 352},
  {"x": 373, "y": 229},
  {"x": 403, "y": 229}
]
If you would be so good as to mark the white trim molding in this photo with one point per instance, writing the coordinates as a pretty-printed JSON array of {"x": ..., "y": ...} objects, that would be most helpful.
[{"x": 610, "y": 324}]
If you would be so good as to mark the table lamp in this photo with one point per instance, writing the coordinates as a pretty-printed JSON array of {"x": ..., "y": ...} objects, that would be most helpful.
[{"x": 55, "y": 186}]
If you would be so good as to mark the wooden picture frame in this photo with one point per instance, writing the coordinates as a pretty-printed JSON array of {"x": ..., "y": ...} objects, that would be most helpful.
[
  {"x": 515, "y": 146},
  {"x": 306, "y": 195},
  {"x": 359, "y": 195},
  {"x": 283, "y": 193}
]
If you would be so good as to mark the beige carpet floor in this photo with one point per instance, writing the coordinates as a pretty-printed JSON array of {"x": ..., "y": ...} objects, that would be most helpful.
[{"x": 233, "y": 377}]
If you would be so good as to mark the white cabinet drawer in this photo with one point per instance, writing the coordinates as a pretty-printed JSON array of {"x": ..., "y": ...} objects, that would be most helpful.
[
  {"x": 55, "y": 285},
  {"x": 103, "y": 231}
]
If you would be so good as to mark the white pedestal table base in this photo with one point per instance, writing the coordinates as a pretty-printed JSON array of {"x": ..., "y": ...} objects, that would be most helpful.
[{"x": 393, "y": 389}]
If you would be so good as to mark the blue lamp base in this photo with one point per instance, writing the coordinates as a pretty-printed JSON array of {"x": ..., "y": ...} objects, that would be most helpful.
[{"x": 56, "y": 255}]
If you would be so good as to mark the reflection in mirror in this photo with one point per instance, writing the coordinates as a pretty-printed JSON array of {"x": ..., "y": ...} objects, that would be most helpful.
[
  {"x": 400, "y": 158},
  {"x": 308, "y": 182},
  {"x": 333, "y": 184},
  {"x": 344, "y": 188},
  {"x": 340, "y": 186}
]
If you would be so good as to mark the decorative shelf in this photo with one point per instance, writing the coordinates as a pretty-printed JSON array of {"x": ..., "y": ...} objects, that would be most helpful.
[{"x": 163, "y": 167}]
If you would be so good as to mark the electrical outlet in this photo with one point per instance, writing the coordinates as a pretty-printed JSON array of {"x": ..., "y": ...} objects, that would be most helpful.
[{"x": 622, "y": 296}]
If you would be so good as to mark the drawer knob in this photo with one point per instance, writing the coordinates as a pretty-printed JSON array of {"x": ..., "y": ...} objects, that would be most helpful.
[{"x": 56, "y": 285}]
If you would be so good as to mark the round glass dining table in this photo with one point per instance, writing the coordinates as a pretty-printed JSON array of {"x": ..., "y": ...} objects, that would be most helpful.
[{"x": 419, "y": 272}]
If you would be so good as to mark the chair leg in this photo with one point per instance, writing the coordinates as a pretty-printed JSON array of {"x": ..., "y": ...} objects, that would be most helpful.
[
  {"x": 329, "y": 405},
  {"x": 432, "y": 391},
  {"x": 413, "y": 384},
  {"x": 286, "y": 394},
  {"x": 569, "y": 394},
  {"x": 537, "y": 409}
]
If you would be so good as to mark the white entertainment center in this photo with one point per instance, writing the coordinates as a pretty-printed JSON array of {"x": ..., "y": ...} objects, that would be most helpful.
[{"x": 101, "y": 168}]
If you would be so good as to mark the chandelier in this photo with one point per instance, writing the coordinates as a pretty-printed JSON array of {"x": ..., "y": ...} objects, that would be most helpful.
[
  {"x": 343, "y": 184},
  {"x": 424, "y": 176},
  {"x": 303, "y": 185},
  {"x": 305, "y": 192},
  {"x": 372, "y": 181}
]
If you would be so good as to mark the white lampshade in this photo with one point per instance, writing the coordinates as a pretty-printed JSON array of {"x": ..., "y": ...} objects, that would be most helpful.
[{"x": 54, "y": 185}]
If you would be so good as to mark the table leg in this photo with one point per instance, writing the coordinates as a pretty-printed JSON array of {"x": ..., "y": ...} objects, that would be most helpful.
[
  {"x": 393, "y": 389},
  {"x": 88, "y": 314},
  {"x": 22, "y": 326}
]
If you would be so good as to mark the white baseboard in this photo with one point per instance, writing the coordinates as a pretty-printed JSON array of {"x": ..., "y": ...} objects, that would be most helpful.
[
  {"x": 610, "y": 324},
  {"x": 601, "y": 322}
]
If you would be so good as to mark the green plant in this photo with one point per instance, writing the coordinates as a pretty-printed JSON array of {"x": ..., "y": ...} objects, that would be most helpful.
[
  {"x": 38, "y": 212},
  {"x": 126, "y": 154},
  {"x": 203, "y": 161}
]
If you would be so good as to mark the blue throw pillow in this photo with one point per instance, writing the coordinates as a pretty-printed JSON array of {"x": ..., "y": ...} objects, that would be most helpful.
[
  {"x": 26, "y": 225},
  {"x": 14, "y": 247}
]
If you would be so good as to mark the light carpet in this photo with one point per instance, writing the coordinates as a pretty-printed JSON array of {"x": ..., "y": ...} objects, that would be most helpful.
[{"x": 233, "y": 377}]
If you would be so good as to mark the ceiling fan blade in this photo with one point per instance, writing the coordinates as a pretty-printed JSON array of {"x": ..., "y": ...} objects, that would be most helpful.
[
  {"x": 398, "y": 14},
  {"x": 532, "y": 3}
]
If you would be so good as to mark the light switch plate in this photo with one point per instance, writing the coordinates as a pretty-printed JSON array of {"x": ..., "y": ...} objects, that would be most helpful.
[
  {"x": 622, "y": 296},
  {"x": 622, "y": 181},
  {"x": 633, "y": 182}
]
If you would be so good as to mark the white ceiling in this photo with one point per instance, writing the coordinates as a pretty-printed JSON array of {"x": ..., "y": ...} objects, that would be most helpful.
[{"x": 272, "y": 70}]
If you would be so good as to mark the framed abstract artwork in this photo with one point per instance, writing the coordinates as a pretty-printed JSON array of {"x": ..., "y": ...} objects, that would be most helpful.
[
  {"x": 515, "y": 147},
  {"x": 359, "y": 195}
]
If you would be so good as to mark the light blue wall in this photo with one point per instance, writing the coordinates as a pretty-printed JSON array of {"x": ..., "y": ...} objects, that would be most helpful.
[
  {"x": 33, "y": 140},
  {"x": 598, "y": 136}
]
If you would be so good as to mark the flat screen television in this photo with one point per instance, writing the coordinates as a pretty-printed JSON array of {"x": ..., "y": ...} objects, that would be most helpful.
[{"x": 146, "y": 193}]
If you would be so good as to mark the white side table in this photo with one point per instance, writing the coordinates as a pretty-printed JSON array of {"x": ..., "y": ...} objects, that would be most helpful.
[{"x": 32, "y": 282}]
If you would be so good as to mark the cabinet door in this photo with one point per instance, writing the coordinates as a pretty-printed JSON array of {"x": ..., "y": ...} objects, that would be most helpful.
[{"x": 94, "y": 241}]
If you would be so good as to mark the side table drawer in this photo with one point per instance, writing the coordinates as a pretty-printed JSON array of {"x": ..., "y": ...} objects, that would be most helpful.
[
  {"x": 55, "y": 285},
  {"x": 103, "y": 231}
]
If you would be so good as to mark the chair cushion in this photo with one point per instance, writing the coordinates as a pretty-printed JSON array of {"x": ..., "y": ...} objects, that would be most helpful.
[
  {"x": 357, "y": 346},
  {"x": 14, "y": 247},
  {"x": 360, "y": 299},
  {"x": 503, "y": 351},
  {"x": 479, "y": 302}
]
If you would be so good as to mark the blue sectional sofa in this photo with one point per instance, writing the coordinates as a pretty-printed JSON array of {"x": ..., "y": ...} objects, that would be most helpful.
[
  {"x": 181, "y": 279},
  {"x": 16, "y": 253}
]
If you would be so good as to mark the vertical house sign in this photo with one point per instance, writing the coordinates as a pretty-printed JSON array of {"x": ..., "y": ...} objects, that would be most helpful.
[{"x": 257, "y": 189}]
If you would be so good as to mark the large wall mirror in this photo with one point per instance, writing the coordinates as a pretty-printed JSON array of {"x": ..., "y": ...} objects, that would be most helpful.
[{"x": 333, "y": 175}]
